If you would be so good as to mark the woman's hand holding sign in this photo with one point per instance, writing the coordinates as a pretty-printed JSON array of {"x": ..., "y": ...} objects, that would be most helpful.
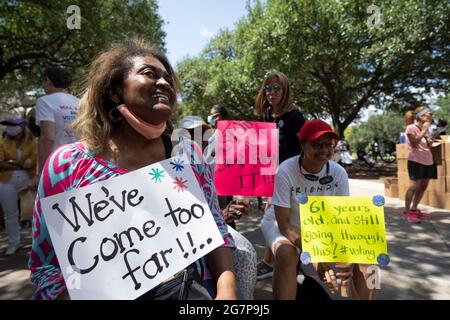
[{"x": 235, "y": 209}]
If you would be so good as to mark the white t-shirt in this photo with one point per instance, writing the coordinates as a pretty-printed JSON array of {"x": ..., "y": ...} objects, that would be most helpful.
[
  {"x": 61, "y": 109},
  {"x": 290, "y": 184}
]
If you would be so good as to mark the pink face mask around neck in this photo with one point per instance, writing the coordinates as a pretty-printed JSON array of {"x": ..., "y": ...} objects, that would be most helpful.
[{"x": 147, "y": 130}]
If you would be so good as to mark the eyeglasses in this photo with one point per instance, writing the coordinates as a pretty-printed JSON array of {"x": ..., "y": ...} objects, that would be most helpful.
[
  {"x": 268, "y": 88},
  {"x": 327, "y": 145}
]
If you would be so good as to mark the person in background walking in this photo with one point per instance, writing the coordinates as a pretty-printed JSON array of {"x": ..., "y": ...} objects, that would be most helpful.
[
  {"x": 128, "y": 101},
  {"x": 312, "y": 173},
  {"x": 421, "y": 166},
  {"x": 18, "y": 156},
  {"x": 244, "y": 257}
]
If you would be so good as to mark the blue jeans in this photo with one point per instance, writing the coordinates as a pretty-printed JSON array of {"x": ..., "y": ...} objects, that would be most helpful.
[{"x": 210, "y": 285}]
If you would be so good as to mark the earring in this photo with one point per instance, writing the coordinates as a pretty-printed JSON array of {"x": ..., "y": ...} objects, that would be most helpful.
[{"x": 115, "y": 115}]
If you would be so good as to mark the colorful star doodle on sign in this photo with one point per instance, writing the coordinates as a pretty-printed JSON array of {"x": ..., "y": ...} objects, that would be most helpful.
[
  {"x": 179, "y": 184},
  {"x": 177, "y": 164},
  {"x": 302, "y": 198},
  {"x": 157, "y": 174},
  {"x": 383, "y": 260}
]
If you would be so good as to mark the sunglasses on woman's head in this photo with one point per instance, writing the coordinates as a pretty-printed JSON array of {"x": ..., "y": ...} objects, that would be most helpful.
[{"x": 276, "y": 88}]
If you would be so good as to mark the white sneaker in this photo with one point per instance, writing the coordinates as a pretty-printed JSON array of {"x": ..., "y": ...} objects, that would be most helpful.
[{"x": 12, "y": 248}]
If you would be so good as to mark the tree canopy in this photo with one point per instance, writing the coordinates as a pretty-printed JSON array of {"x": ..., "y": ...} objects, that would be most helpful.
[
  {"x": 35, "y": 34},
  {"x": 443, "y": 110},
  {"x": 338, "y": 58},
  {"x": 386, "y": 126}
]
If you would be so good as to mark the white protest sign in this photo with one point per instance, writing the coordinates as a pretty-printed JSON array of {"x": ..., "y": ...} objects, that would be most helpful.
[{"x": 126, "y": 235}]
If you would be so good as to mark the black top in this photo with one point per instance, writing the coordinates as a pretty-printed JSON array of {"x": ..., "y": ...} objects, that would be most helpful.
[{"x": 289, "y": 124}]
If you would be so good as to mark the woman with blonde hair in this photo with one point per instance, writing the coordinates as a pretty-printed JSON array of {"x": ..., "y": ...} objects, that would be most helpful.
[
  {"x": 421, "y": 166},
  {"x": 129, "y": 99},
  {"x": 18, "y": 156},
  {"x": 312, "y": 173},
  {"x": 274, "y": 103}
]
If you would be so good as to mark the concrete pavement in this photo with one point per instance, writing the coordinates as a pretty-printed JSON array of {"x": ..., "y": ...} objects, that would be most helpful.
[
  {"x": 14, "y": 275},
  {"x": 419, "y": 267}
]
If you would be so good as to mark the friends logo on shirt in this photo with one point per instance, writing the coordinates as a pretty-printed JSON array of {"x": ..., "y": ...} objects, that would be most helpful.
[{"x": 315, "y": 189}]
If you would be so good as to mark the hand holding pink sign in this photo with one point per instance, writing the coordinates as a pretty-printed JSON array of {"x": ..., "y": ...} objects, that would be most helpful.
[{"x": 246, "y": 158}]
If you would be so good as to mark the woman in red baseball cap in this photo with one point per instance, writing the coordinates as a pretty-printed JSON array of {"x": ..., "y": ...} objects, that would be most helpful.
[{"x": 311, "y": 173}]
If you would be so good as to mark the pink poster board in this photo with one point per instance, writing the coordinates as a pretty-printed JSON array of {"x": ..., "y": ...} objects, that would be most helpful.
[{"x": 246, "y": 158}]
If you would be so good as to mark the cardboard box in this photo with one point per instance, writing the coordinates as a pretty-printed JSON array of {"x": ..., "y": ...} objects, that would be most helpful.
[
  {"x": 447, "y": 150},
  {"x": 402, "y": 165},
  {"x": 402, "y": 151},
  {"x": 437, "y": 185},
  {"x": 438, "y": 199},
  {"x": 447, "y": 166},
  {"x": 402, "y": 191}
]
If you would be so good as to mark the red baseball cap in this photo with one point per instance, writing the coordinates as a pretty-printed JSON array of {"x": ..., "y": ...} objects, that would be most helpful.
[{"x": 314, "y": 129}]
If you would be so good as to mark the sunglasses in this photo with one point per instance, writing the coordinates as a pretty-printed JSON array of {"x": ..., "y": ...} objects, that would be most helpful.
[
  {"x": 327, "y": 145},
  {"x": 268, "y": 88},
  {"x": 312, "y": 177}
]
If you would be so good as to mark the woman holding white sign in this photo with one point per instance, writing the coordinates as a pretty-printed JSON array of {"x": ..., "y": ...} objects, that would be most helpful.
[
  {"x": 244, "y": 257},
  {"x": 129, "y": 99},
  {"x": 311, "y": 173}
]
